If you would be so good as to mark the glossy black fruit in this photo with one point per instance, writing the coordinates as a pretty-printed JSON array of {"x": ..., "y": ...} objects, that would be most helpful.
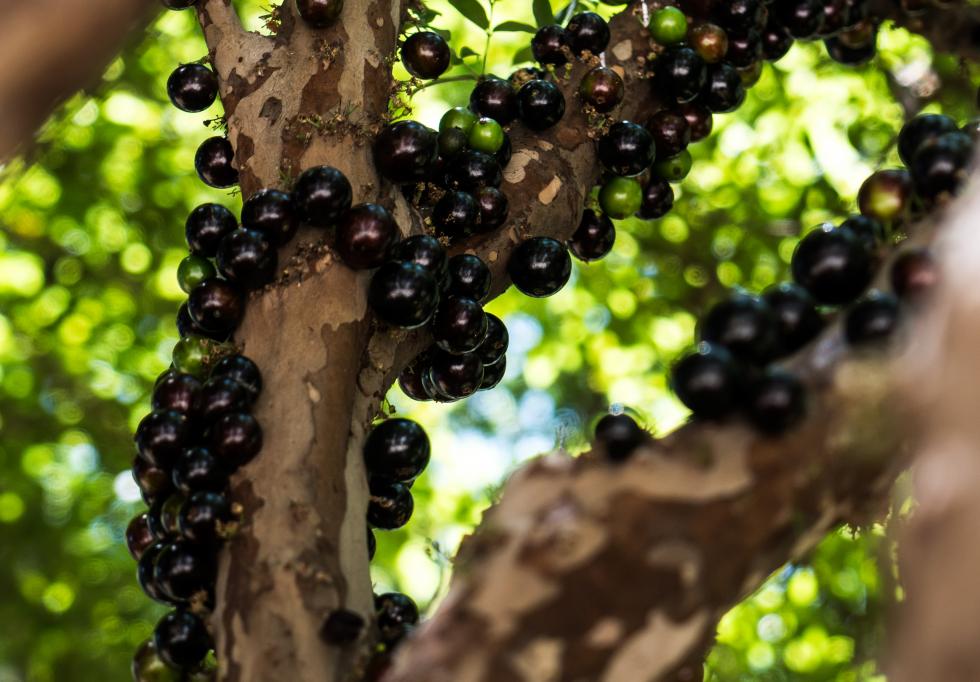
[
  {"x": 469, "y": 277},
  {"x": 459, "y": 325},
  {"x": 410, "y": 380},
  {"x": 403, "y": 294},
  {"x": 404, "y": 152},
  {"x": 588, "y": 32},
  {"x": 940, "y": 167},
  {"x": 139, "y": 536},
  {"x": 181, "y": 639},
  {"x": 425, "y": 251},
  {"x": 872, "y": 320},
  {"x": 680, "y": 74},
  {"x": 699, "y": 118},
  {"x": 723, "y": 90},
  {"x": 594, "y": 237},
  {"x": 658, "y": 199},
  {"x": 390, "y": 504},
  {"x": 213, "y": 162},
  {"x": 472, "y": 170},
  {"x": 396, "y": 615},
  {"x": 797, "y": 319},
  {"x": 207, "y": 518},
  {"x": 456, "y": 214},
  {"x": 396, "y": 450},
  {"x": 493, "y": 207},
  {"x": 216, "y": 305},
  {"x": 549, "y": 45},
  {"x": 619, "y": 435},
  {"x": 671, "y": 133},
  {"x": 494, "y": 343},
  {"x": 342, "y": 627},
  {"x": 541, "y": 104},
  {"x": 197, "y": 469},
  {"x": 206, "y": 226},
  {"x": 178, "y": 4},
  {"x": 272, "y": 213},
  {"x": 153, "y": 481},
  {"x": 319, "y": 13},
  {"x": 372, "y": 543},
  {"x": 802, "y": 18},
  {"x": 455, "y": 376},
  {"x": 871, "y": 233},
  {"x": 832, "y": 264},
  {"x": 776, "y": 41},
  {"x": 234, "y": 439},
  {"x": 706, "y": 381},
  {"x": 848, "y": 54},
  {"x": 744, "y": 325},
  {"x": 192, "y": 87},
  {"x": 178, "y": 393},
  {"x": 494, "y": 97},
  {"x": 426, "y": 54},
  {"x": 775, "y": 402},
  {"x": 365, "y": 234},
  {"x": 914, "y": 275},
  {"x": 540, "y": 267},
  {"x": 627, "y": 149},
  {"x": 161, "y": 436},
  {"x": 248, "y": 259},
  {"x": 603, "y": 88},
  {"x": 493, "y": 374},
  {"x": 221, "y": 395},
  {"x": 921, "y": 130},
  {"x": 240, "y": 369},
  {"x": 145, "y": 573},
  {"x": 321, "y": 195},
  {"x": 744, "y": 48},
  {"x": 184, "y": 569}
]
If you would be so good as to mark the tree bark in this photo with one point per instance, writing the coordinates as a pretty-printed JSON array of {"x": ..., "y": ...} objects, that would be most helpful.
[{"x": 51, "y": 48}]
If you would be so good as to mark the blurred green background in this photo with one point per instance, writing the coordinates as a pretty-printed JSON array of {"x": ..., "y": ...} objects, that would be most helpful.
[{"x": 92, "y": 231}]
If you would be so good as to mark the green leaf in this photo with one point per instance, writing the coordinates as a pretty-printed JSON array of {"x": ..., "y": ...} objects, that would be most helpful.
[
  {"x": 472, "y": 10},
  {"x": 523, "y": 55},
  {"x": 515, "y": 26},
  {"x": 542, "y": 12},
  {"x": 468, "y": 52}
]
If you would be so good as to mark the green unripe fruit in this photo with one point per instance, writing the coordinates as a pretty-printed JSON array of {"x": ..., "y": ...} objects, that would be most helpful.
[
  {"x": 486, "y": 136},
  {"x": 668, "y": 26},
  {"x": 193, "y": 270},
  {"x": 193, "y": 355},
  {"x": 460, "y": 118},
  {"x": 621, "y": 197},
  {"x": 675, "y": 168},
  {"x": 451, "y": 142}
]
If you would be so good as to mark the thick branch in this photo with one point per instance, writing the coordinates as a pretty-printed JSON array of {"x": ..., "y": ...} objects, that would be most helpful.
[{"x": 49, "y": 49}]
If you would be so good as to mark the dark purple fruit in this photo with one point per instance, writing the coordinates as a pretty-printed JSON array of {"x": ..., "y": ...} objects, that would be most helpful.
[
  {"x": 177, "y": 392},
  {"x": 871, "y": 233},
  {"x": 197, "y": 469},
  {"x": 403, "y": 294},
  {"x": 207, "y": 518},
  {"x": 404, "y": 152},
  {"x": 459, "y": 325},
  {"x": 493, "y": 374},
  {"x": 240, "y": 369},
  {"x": 540, "y": 267},
  {"x": 603, "y": 88},
  {"x": 744, "y": 325},
  {"x": 940, "y": 167},
  {"x": 390, "y": 504},
  {"x": 183, "y": 570},
  {"x": 740, "y": 14},
  {"x": 213, "y": 162},
  {"x": 797, "y": 319},
  {"x": 594, "y": 238},
  {"x": 192, "y": 87},
  {"x": 469, "y": 277},
  {"x": 495, "y": 98},
  {"x": 775, "y": 402},
  {"x": 744, "y": 48},
  {"x": 699, "y": 118},
  {"x": 671, "y": 133},
  {"x": 206, "y": 226},
  {"x": 456, "y": 215},
  {"x": 153, "y": 481},
  {"x": 396, "y": 614},
  {"x": 217, "y": 305},
  {"x": 541, "y": 104},
  {"x": 832, "y": 264},
  {"x": 365, "y": 235},
  {"x": 710, "y": 42},
  {"x": 181, "y": 639},
  {"x": 455, "y": 376},
  {"x": 706, "y": 381},
  {"x": 549, "y": 45},
  {"x": 848, "y": 54},
  {"x": 342, "y": 627},
  {"x": 588, "y": 32},
  {"x": 802, "y": 18},
  {"x": 658, "y": 199},
  {"x": 178, "y": 4},
  {"x": 723, "y": 90},
  {"x": 410, "y": 380},
  {"x": 776, "y": 41},
  {"x": 426, "y": 54},
  {"x": 319, "y": 13},
  {"x": 872, "y": 320},
  {"x": 921, "y": 130},
  {"x": 680, "y": 74},
  {"x": 627, "y": 149},
  {"x": 145, "y": 573},
  {"x": 396, "y": 450},
  {"x": 472, "y": 170},
  {"x": 493, "y": 207},
  {"x": 619, "y": 435},
  {"x": 139, "y": 536},
  {"x": 425, "y": 251},
  {"x": 271, "y": 213},
  {"x": 235, "y": 439},
  {"x": 494, "y": 343},
  {"x": 248, "y": 259},
  {"x": 914, "y": 275},
  {"x": 161, "y": 436},
  {"x": 886, "y": 195},
  {"x": 221, "y": 395},
  {"x": 322, "y": 195}
]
